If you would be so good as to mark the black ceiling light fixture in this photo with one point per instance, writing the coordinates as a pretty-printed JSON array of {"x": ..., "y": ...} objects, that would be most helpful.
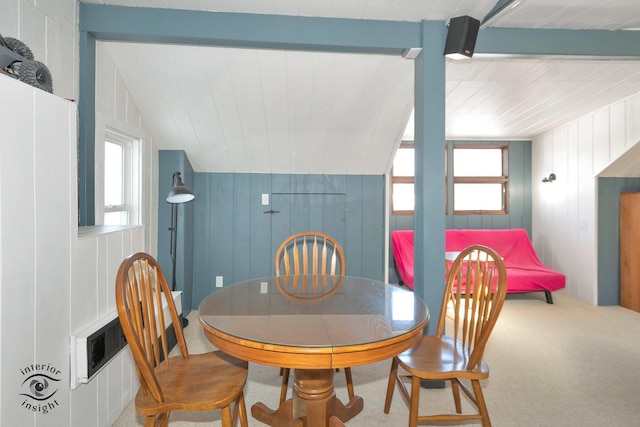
[{"x": 461, "y": 37}]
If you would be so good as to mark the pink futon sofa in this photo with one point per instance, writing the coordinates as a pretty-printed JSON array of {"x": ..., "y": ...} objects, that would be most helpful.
[{"x": 525, "y": 272}]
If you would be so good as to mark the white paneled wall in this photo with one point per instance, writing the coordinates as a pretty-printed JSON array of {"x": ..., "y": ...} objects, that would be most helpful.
[
  {"x": 54, "y": 283},
  {"x": 565, "y": 212},
  {"x": 115, "y": 108},
  {"x": 96, "y": 261}
]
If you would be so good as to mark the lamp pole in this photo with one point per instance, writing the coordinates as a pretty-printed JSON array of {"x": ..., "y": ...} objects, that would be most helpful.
[{"x": 173, "y": 243}]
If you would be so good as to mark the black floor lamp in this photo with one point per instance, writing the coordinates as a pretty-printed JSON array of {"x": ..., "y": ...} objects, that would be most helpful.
[{"x": 179, "y": 193}]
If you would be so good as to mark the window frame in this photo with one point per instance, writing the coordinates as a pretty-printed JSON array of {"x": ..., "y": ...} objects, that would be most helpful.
[
  {"x": 402, "y": 180},
  {"x": 132, "y": 173},
  {"x": 450, "y": 180},
  {"x": 502, "y": 179}
]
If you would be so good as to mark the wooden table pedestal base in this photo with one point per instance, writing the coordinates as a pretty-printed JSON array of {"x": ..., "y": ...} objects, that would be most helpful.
[{"x": 314, "y": 403}]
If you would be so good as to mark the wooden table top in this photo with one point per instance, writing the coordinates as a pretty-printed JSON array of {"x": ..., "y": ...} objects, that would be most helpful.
[{"x": 313, "y": 322}]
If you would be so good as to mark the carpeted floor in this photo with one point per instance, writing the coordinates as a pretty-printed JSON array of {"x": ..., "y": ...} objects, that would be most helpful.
[{"x": 566, "y": 364}]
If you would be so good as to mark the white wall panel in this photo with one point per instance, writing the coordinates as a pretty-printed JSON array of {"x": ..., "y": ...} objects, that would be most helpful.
[
  {"x": 52, "y": 247},
  {"x": 120, "y": 100},
  {"x": 130, "y": 382},
  {"x": 84, "y": 405},
  {"x": 18, "y": 272},
  {"x": 570, "y": 182},
  {"x": 61, "y": 58},
  {"x": 601, "y": 147},
  {"x": 592, "y": 143},
  {"x": 631, "y": 120},
  {"x": 557, "y": 192},
  {"x": 114, "y": 397},
  {"x": 53, "y": 283},
  {"x": 112, "y": 259},
  {"x": 84, "y": 304},
  {"x": 133, "y": 117},
  {"x": 55, "y": 11},
  {"x": 105, "y": 81},
  {"x": 103, "y": 394},
  {"x": 8, "y": 18},
  {"x": 617, "y": 130},
  {"x": 102, "y": 290},
  {"x": 137, "y": 240},
  {"x": 584, "y": 284}
]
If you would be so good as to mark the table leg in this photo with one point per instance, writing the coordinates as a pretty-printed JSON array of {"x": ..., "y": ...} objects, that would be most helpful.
[{"x": 314, "y": 403}]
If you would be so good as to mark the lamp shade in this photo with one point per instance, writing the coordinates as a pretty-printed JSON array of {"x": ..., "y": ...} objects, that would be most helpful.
[{"x": 180, "y": 193}]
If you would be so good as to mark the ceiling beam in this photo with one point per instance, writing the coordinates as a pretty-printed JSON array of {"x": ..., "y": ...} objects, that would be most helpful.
[
  {"x": 150, "y": 25},
  {"x": 579, "y": 44}
]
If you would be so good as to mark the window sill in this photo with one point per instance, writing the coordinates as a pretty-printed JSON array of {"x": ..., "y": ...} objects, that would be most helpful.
[{"x": 97, "y": 230}]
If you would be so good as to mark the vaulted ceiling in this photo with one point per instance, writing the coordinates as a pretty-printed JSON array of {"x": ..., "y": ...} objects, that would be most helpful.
[{"x": 276, "y": 111}]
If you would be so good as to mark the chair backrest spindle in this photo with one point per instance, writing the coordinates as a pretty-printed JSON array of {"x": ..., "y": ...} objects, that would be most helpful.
[{"x": 312, "y": 253}]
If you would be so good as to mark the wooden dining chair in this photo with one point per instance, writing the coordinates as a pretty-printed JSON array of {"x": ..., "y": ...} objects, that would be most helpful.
[
  {"x": 474, "y": 295},
  {"x": 310, "y": 253},
  {"x": 191, "y": 382}
]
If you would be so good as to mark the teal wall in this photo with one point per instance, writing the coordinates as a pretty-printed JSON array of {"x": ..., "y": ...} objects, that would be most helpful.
[
  {"x": 520, "y": 200},
  {"x": 236, "y": 237},
  {"x": 609, "y": 190}
]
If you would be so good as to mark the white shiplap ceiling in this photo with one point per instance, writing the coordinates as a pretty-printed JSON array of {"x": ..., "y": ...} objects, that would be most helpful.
[{"x": 266, "y": 111}]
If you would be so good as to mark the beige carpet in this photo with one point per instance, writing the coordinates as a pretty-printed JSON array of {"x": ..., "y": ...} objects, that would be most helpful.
[{"x": 566, "y": 364}]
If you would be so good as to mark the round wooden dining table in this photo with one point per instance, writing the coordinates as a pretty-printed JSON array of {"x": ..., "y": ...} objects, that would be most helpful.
[{"x": 312, "y": 324}]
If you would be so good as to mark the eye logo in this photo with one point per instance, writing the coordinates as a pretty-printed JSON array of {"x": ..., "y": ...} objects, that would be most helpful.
[{"x": 39, "y": 387}]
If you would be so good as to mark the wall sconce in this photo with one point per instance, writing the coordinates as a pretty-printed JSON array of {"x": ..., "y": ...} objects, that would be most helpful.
[{"x": 550, "y": 178}]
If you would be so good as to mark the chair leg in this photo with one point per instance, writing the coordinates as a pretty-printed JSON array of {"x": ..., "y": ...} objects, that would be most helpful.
[
  {"x": 347, "y": 375},
  {"x": 240, "y": 411},
  {"x": 415, "y": 399},
  {"x": 455, "y": 389},
  {"x": 393, "y": 373},
  {"x": 160, "y": 420},
  {"x": 482, "y": 406},
  {"x": 227, "y": 419},
  {"x": 285, "y": 385}
]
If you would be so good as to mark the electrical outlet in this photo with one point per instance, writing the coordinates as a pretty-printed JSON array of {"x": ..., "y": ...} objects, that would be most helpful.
[
  {"x": 218, "y": 281},
  {"x": 264, "y": 287},
  {"x": 265, "y": 199}
]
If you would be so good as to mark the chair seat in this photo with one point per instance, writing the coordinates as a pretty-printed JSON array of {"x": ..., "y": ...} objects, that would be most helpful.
[
  {"x": 434, "y": 358},
  {"x": 199, "y": 382}
]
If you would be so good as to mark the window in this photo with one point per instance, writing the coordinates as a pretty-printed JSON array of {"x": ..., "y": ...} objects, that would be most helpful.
[
  {"x": 402, "y": 181},
  {"x": 121, "y": 180},
  {"x": 479, "y": 182},
  {"x": 480, "y": 179}
]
